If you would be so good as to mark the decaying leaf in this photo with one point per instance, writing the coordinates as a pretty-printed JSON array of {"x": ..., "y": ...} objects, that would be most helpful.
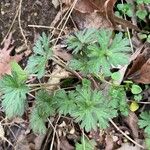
[
  {"x": 127, "y": 146},
  {"x": 58, "y": 51},
  {"x": 1, "y": 131},
  {"x": 109, "y": 143},
  {"x": 6, "y": 58},
  {"x": 105, "y": 10},
  {"x": 140, "y": 70},
  {"x": 57, "y": 74},
  {"x": 132, "y": 121}
]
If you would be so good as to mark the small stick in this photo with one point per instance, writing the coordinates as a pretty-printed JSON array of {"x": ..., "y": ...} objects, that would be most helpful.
[{"x": 113, "y": 123}]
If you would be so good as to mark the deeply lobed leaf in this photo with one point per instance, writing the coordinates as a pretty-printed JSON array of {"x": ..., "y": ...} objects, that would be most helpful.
[
  {"x": 102, "y": 54},
  {"x": 42, "y": 53},
  {"x": 14, "y": 94},
  {"x": 44, "y": 108}
]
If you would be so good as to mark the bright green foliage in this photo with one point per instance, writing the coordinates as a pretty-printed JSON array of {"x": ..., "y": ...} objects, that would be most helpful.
[
  {"x": 14, "y": 92},
  {"x": 117, "y": 97},
  {"x": 143, "y": 1},
  {"x": 88, "y": 107},
  {"x": 102, "y": 54},
  {"x": 137, "y": 97},
  {"x": 136, "y": 89},
  {"x": 147, "y": 143},
  {"x": 80, "y": 40},
  {"x": 144, "y": 122},
  {"x": 65, "y": 102},
  {"x": 21, "y": 74},
  {"x": 116, "y": 76},
  {"x": 84, "y": 65},
  {"x": 42, "y": 52},
  {"x": 43, "y": 109},
  {"x": 126, "y": 9},
  {"x": 141, "y": 14},
  {"x": 85, "y": 145}
]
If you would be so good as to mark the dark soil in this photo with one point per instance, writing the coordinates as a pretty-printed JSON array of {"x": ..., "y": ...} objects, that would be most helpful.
[{"x": 33, "y": 12}]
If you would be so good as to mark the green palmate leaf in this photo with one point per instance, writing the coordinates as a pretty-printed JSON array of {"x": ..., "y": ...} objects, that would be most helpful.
[
  {"x": 14, "y": 95},
  {"x": 80, "y": 64},
  {"x": 126, "y": 8},
  {"x": 42, "y": 52},
  {"x": 144, "y": 122},
  {"x": 88, "y": 107},
  {"x": 102, "y": 54},
  {"x": 43, "y": 109},
  {"x": 80, "y": 39},
  {"x": 37, "y": 122},
  {"x": 65, "y": 102},
  {"x": 85, "y": 144},
  {"x": 141, "y": 14},
  {"x": 117, "y": 97},
  {"x": 108, "y": 53},
  {"x": 104, "y": 37}
]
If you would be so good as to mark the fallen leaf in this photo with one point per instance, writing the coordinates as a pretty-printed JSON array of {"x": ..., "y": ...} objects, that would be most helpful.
[
  {"x": 58, "y": 51},
  {"x": 56, "y": 76},
  {"x": 144, "y": 74},
  {"x": 83, "y": 6},
  {"x": 6, "y": 58},
  {"x": 134, "y": 106},
  {"x": 109, "y": 142},
  {"x": 38, "y": 141},
  {"x": 65, "y": 145},
  {"x": 92, "y": 20},
  {"x": 140, "y": 70},
  {"x": 22, "y": 143},
  {"x": 127, "y": 146},
  {"x": 1, "y": 131},
  {"x": 132, "y": 121},
  {"x": 105, "y": 10},
  {"x": 55, "y": 3}
]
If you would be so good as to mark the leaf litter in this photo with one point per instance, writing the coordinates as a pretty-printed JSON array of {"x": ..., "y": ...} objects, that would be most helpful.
[
  {"x": 87, "y": 14},
  {"x": 6, "y": 58}
]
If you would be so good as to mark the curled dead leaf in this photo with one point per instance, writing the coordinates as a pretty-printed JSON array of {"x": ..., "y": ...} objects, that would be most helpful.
[
  {"x": 132, "y": 121},
  {"x": 140, "y": 70},
  {"x": 105, "y": 9},
  {"x": 6, "y": 58}
]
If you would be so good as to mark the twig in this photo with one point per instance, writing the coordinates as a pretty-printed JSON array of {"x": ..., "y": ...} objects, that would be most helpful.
[
  {"x": 72, "y": 7},
  {"x": 54, "y": 132},
  {"x": 113, "y": 123},
  {"x": 128, "y": 32},
  {"x": 20, "y": 26},
  {"x": 41, "y": 26},
  {"x": 10, "y": 27}
]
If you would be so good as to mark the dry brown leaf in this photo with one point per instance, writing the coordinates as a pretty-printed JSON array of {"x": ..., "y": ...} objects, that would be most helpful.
[
  {"x": 5, "y": 57},
  {"x": 144, "y": 74},
  {"x": 65, "y": 145},
  {"x": 58, "y": 51},
  {"x": 105, "y": 9},
  {"x": 92, "y": 20},
  {"x": 2, "y": 133},
  {"x": 56, "y": 76},
  {"x": 109, "y": 143},
  {"x": 127, "y": 146},
  {"x": 140, "y": 70},
  {"x": 132, "y": 121}
]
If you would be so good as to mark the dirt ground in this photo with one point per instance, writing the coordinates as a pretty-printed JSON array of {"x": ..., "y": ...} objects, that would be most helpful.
[{"x": 37, "y": 12}]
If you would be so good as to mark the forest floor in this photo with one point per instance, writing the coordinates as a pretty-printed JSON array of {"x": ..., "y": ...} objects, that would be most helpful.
[{"x": 21, "y": 23}]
